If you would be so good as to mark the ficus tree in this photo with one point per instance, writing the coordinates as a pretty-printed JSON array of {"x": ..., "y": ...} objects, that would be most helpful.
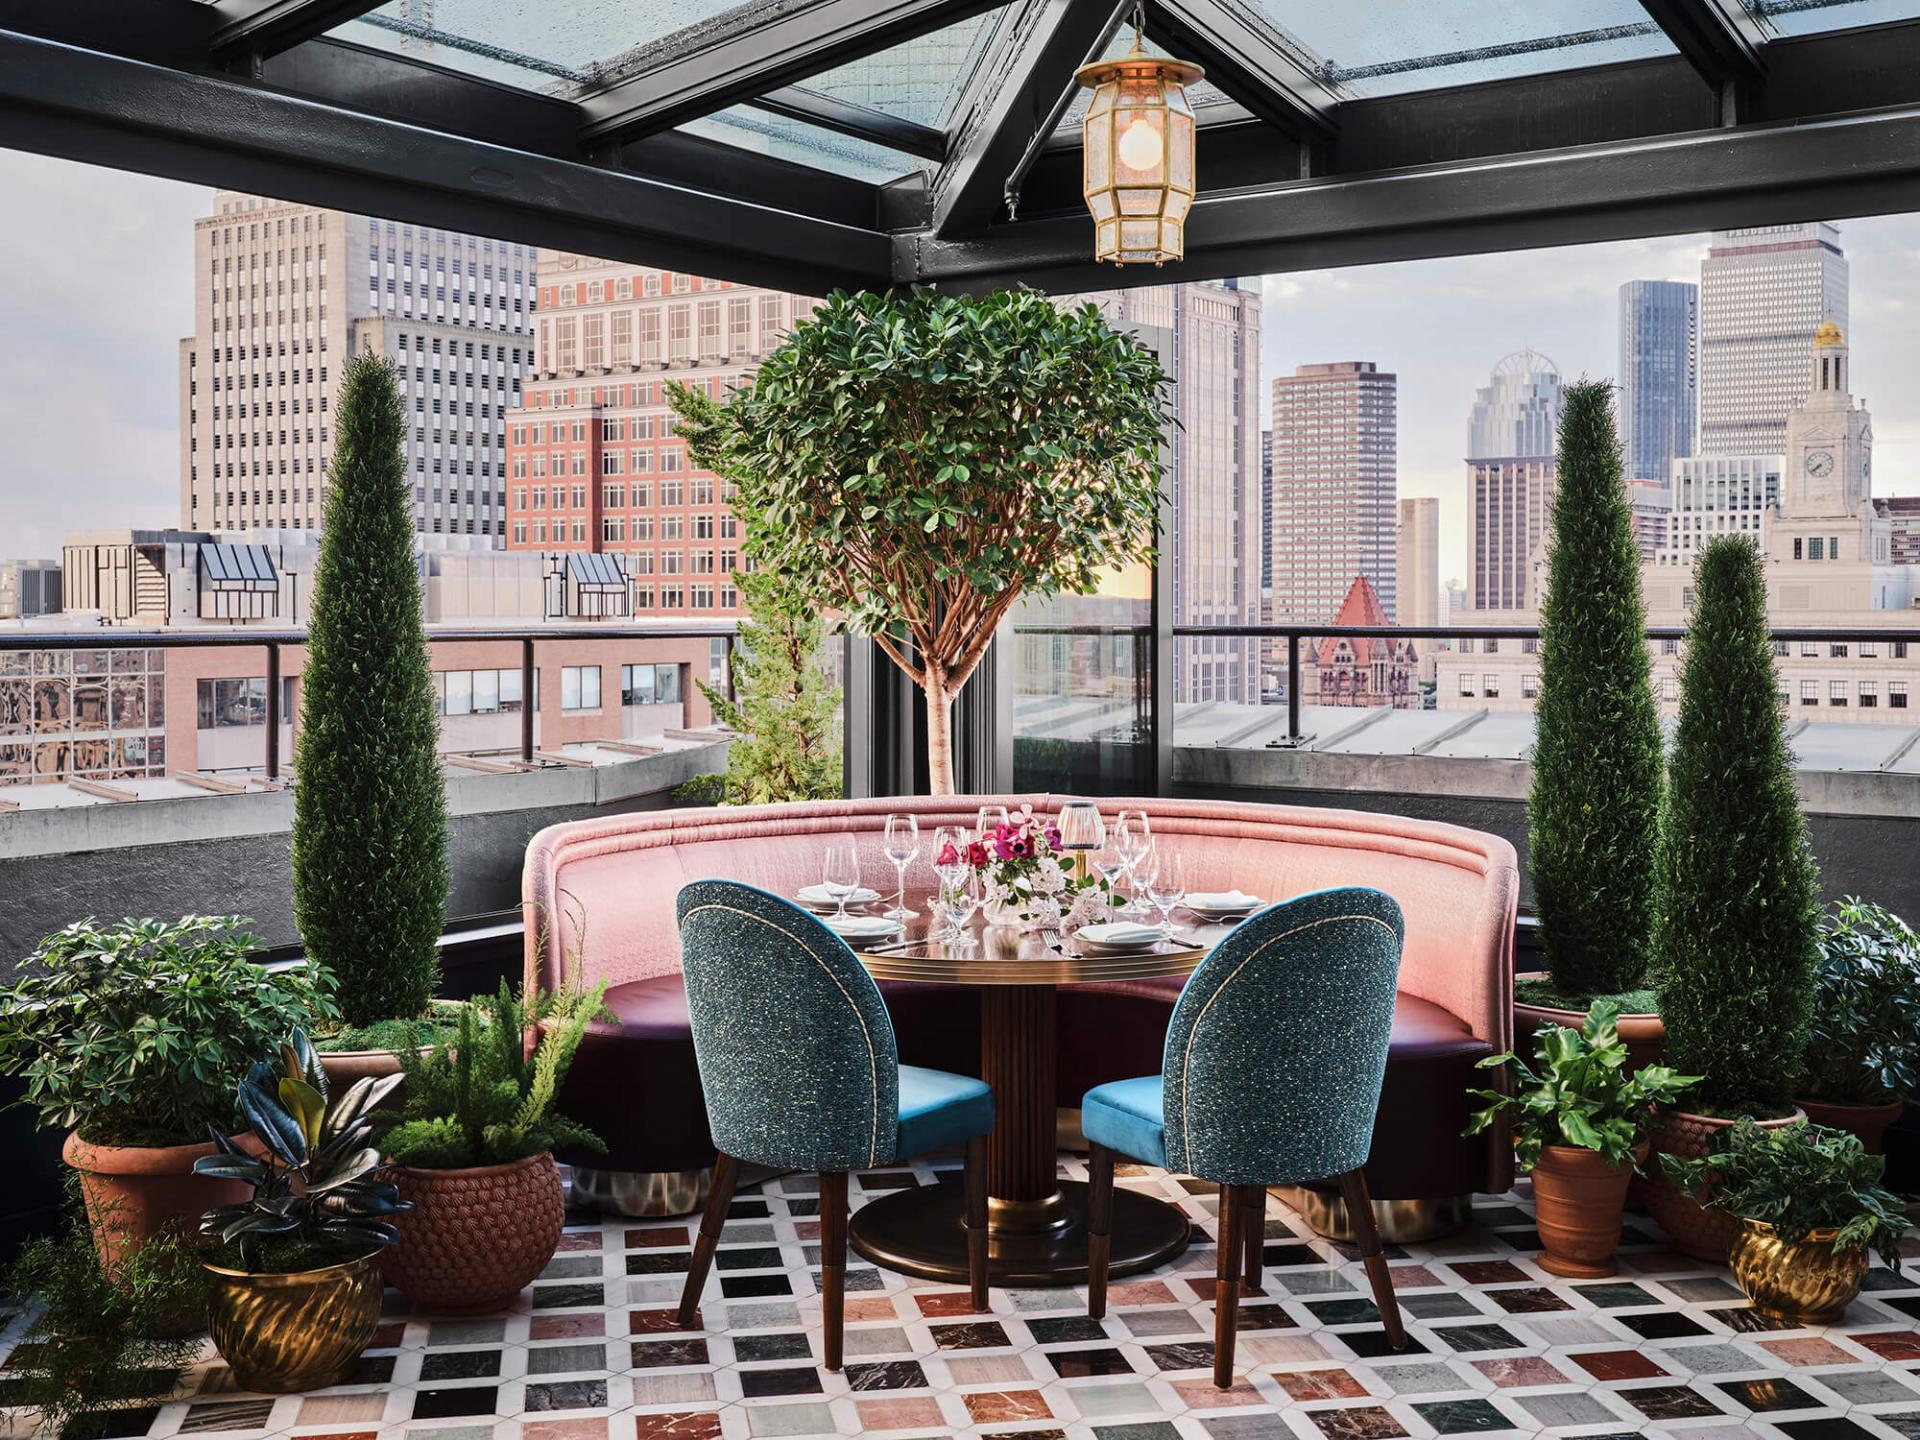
[{"x": 918, "y": 462}]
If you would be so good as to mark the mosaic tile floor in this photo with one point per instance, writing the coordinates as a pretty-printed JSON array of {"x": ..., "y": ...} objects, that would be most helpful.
[{"x": 592, "y": 1351}]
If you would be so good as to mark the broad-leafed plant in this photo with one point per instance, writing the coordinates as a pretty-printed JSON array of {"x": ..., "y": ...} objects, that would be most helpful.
[
  {"x": 1863, "y": 1046},
  {"x": 919, "y": 462},
  {"x": 315, "y": 1199},
  {"x": 1578, "y": 1093}
]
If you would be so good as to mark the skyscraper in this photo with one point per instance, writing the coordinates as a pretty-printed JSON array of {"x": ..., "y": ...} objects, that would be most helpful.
[
  {"x": 284, "y": 294},
  {"x": 1658, "y": 379},
  {"x": 1334, "y": 482},
  {"x": 1418, "y": 563},
  {"x": 1511, "y": 436},
  {"x": 1764, "y": 291}
]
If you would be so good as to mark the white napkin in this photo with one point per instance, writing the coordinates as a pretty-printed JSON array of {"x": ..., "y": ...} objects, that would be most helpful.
[
  {"x": 816, "y": 896},
  {"x": 1223, "y": 900},
  {"x": 863, "y": 926},
  {"x": 1121, "y": 933}
]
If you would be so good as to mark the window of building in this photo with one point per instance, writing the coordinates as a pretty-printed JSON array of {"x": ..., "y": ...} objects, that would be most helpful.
[
  {"x": 1837, "y": 692},
  {"x": 1869, "y": 694},
  {"x": 1809, "y": 649},
  {"x": 1530, "y": 684},
  {"x": 231, "y": 703},
  {"x": 1816, "y": 549},
  {"x": 1809, "y": 692},
  {"x": 580, "y": 687},
  {"x": 1837, "y": 651},
  {"x": 1490, "y": 686},
  {"x": 649, "y": 684},
  {"x": 1896, "y": 694}
]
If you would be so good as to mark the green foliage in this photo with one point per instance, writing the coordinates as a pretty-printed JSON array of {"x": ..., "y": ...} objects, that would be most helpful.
[
  {"x": 787, "y": 714},
  {"x": 314, "y": 1199},
  {"x": 1597, "y": 755},
  {"x": 484, "y": 1100},
  {"x": 1800, "y": 1178},
  {"x": 918, "y": 462},
  {"x": 369, "y": 824},
  {"x": 99, "y": 1344},
  {"x": 1738, "y": 927},
  {"x": 137, "y": 1033},
  {"x": 1580, "y": 1093},
  {"x": 1863, "y": 1047},
  {"x": 442, "y": 1024},
  {"x": 1539, "y": 990}
]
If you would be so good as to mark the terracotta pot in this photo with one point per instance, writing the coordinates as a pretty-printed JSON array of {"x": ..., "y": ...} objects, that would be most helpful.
[
  {"x": 474, "y": 1238},
  {"x": 1702, "y": 1231},
  {"x": 134, "y": 1191},
  {"x": 1645, "y": 1034},
  {"x": 1807, "y": 1284},
  {"x": 299, "y": 1330},
  {"x": 1577, "y": 1199},
  {"x": 344, "y": 1067},
  {"x": 1869, "y": 1122}
]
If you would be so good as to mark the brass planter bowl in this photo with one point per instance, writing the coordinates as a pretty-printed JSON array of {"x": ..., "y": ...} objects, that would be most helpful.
[
  {"x": 301, "y": 1330},
  {"x": 1808, "y": 1283}
]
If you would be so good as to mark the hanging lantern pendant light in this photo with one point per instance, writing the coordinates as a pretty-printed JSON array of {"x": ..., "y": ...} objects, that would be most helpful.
[{"x": 1137, "y": 140}]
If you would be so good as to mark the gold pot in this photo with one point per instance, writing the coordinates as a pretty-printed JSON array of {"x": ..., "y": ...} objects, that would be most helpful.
[
  {"x": 1809, "y": 1283},
  {"x": 281, "y": 1332}
]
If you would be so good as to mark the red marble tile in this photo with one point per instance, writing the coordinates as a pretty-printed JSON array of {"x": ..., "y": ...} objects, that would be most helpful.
[
  {"x": 671, "y": 1237},
  {"x": 590, "y": 1428},
  {"x": 580, "y": 1240},
  {"x": 806, "y": 1229},
  {"x": 1617, "y": 1365},
  {"x": 943, "y": 1303},
  {"x": 1320, "y": 1384},
  {"x": 1809, "y": 1350},
  {"x": 1145, "y": 1292},
  {"x": 870, "y": 1307},
  {"x": 388, "y": 1335},
  {"x": 567, "y": 1327},
  {"x": 344, "y": 1435},
  {"x": 1200, "y": 1394},
  {"x": 900, "y": 1413},
  {"x": 1414, "y": 1277},
  {"x": 658, "y": 1322},
  {"x": 678, "y": 1425},
  {"x": 1489, "y": 1272},
  {"x": 992, "y": 1407},
  {"x": 1521, "y": 1370},
  {"x": 1892, "y": 1345}
]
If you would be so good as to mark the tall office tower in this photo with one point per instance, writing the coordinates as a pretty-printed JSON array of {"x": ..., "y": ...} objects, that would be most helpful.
[
  {"x": 1418, "y": 563},
  {"x": 1266, "y": 515},
  {"x": 1511, "y": 436},
  {"x": 594, "y": 464},
  {"x": 283, "y": 295},
  {"x": 1763, "y": 293},
  {"x": 1334, "y": 481},
  {"x": 1208, "y": 339},
  {"x": 1657, "y": 379}
]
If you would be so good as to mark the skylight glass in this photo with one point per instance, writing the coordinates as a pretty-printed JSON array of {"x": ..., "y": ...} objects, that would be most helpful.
[
  {"x": 921, "y": 80},
  {"x": 1811, "y": 17},
  {"x": 795, "y": 140}
]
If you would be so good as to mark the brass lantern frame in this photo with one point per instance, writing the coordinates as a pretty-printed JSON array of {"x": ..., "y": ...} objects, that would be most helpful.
[{"x": 1139, "y": 215}]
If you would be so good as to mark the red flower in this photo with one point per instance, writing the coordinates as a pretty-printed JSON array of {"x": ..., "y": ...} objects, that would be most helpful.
[
  {"x": 947, "y": 855},
  {"x": 977, "y": 855}
]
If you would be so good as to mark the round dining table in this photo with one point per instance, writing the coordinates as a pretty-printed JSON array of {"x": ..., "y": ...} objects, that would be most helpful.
[{"x": 1037, "y": 1232}]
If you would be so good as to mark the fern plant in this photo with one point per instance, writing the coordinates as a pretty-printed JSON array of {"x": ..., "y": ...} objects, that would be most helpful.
[{"x": 487, "y": 1098}]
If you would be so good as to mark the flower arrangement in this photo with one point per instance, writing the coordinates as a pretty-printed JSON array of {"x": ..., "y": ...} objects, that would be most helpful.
[{"x": 1027, "y": 878}]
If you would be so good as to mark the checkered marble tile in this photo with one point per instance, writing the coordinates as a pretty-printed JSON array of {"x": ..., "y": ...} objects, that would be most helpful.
[{"x": 593, "y": 1351}]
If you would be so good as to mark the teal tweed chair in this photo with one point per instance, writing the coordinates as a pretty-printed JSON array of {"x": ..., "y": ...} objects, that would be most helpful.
[
  {"x": 1271, "y": 1076},
  {"x": 800, "y": 1072}
]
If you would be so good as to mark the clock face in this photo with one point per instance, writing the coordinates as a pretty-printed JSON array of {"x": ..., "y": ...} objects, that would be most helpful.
[{"x": 1819, "y": 463}]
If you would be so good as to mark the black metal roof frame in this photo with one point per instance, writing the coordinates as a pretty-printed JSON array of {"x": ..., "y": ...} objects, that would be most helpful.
[{"x": 1732, "y": 129}]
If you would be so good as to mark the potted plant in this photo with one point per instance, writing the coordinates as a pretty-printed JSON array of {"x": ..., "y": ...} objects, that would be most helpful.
[
  {"x": 472, "y": 1153},
  {"x": 132, "y": 1037},
  {"x": 294, "y": 1294},
  {"x": 1739, "y": 920},
  {"x": 1593, "y": 812},
  {"x": 1581, "y": 1117},
  {"x": 1863, "y": 1046},
  {"x": 1809, "y": 1205},
  {"x": 919, "y": 461},
  {"x": 369, "y": 814}
]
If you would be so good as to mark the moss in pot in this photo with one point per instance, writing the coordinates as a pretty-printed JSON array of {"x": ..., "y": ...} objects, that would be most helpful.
[
  {"x": 1581, "y": 1122},
  {"x": 1863, "y": 1045}
]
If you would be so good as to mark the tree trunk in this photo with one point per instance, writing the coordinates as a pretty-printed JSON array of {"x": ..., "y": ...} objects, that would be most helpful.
[{"x": 939, "y": 738}]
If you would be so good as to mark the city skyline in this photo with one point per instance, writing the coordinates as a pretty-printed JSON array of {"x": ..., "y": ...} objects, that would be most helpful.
[{"x": 102, "y": 380}]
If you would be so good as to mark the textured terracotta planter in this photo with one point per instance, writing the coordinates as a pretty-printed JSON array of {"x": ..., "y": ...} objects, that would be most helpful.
[
  {"x": 1869, "y": 1122},
  {"x": 1577, "y": 1200},
  {"x": 1645, "y": 1035},
  {"x": 1702, "y": 1231},
  {"x": 134, "y": 1192},
  {"x": 1806, "y": 1284},
  {"x": 474, "y": 1238}
]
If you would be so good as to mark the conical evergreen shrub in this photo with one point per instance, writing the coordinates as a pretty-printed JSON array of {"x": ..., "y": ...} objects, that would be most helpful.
[
  {"x": 370, "y": 813},
  {"x": 1594, "y": 811},
  {"x": 1737, "y": 938}
]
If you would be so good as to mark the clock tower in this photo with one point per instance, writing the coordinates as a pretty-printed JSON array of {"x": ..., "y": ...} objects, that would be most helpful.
[{"x": 1829, "y": 441}]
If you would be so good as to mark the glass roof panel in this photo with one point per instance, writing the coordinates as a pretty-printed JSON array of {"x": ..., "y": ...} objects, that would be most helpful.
[
  {"x": 785, "y": 139},
  {"x": 921, "y": 80},
  {"x": 1809, "y": 17},
  {"x": 1386, "y": 47}
]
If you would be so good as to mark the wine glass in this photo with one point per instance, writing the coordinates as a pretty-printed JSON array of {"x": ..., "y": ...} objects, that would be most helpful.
[
  {"x": 840, "y": 876},
  {"x": 950, "y": 851},
  {"x": 902, "y": 846},
  {"x": 990, "y": 819},
  {"x": 1132, "y": 838},
  {"x": 959, "y": 898},
  {"x": 1108, "y": 863},
  {"x": 1166, "y": 880}
]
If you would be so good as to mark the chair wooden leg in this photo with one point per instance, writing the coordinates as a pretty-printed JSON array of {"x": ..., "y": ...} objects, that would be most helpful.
[
  {"x": 1255, "y": 1241},
  {"x": 1226, "y": 1290},
  {"x": 976, "y": 1183},
  {"x": 1366, "y": 1234},
  {"x": 833, "y": 1263},
  {"x": 1099, "y": 1226},
  {"x": 726, "y": 1172}
]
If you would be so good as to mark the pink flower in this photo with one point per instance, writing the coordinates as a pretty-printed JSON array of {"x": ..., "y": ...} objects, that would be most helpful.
[
  {"x": 947, "y": 856},
  {"x": 977, "y": 855}
]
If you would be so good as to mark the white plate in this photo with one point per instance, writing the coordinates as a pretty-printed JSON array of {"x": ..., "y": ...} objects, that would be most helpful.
[
  {"x": 862, "y": 927},
  {"x": 1121, "y": 936},
  {"x": 815, "y": 897}
]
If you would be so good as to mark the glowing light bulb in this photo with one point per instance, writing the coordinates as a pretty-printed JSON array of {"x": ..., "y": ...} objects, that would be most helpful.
[{"x": 1141, "y": 147}]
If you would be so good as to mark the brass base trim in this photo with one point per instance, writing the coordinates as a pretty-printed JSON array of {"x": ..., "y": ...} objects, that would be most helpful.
[
  {"x": 1402, "y": 1222},
  {"x": 640, "y": 1194}
]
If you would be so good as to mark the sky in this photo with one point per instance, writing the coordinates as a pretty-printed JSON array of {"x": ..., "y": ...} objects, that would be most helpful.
[{"x": 102, "y": 292}]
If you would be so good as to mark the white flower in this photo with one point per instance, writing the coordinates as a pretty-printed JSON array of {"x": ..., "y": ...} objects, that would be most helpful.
[
  {"x": 1048, "y": 877},
  {"x": 1089, "y": 906}
]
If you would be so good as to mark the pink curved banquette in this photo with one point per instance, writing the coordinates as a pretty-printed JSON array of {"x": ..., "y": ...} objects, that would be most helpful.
[{"x": 606, "y": 889}]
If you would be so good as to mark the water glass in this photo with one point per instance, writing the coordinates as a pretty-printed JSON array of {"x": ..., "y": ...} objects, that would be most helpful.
[
  {"x": 959, "y": 897},
  {"x": 1108, "y": 864},
  {"x": 840, "y": 875},
  {"x": 902, "y": 846},
  {"x": 1166, "y": 872},
  {"x": 950, "y": 851},
  {"x": 1132, "y": 838},
  {"x": 990, "y": 818}
]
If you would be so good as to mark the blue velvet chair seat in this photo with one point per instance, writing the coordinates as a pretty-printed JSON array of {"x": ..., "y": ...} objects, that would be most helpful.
[
  {"x": 939, "y": 1108},
  {"x": 1128, "y": 1116}
]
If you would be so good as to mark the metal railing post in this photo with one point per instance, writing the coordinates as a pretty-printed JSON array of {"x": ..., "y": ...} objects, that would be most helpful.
[
  {"x": 1293, "y": 687},
  {"x": 526, "y": 699},
  {"x": 273, "y": 710}
]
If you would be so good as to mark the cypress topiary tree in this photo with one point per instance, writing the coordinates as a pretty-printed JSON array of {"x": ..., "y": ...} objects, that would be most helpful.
[
  {"x": 1738, "y": 933},
  {"x": 370, "y": 812},
  {"x": 1595, "y": 807}
]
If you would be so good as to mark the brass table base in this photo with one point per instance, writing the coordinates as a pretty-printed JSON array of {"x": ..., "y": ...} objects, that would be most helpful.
[{"x": 919, "y": 1232}]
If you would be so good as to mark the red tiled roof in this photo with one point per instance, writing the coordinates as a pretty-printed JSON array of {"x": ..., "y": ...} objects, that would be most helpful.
[{"x": 1361, "y": 607}]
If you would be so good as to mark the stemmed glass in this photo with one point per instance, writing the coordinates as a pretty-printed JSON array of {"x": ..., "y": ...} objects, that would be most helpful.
[
  {"x": 840, "y": 876},
  {"x": 1166, "y": 880},
  {"x": 959, "y": 898},
  {"x": 1108, "y": 863},
  {"x": 990, "y": 818},
  {"x": 1132, "y": 838},
  {"x": 902, "y": 846}
]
